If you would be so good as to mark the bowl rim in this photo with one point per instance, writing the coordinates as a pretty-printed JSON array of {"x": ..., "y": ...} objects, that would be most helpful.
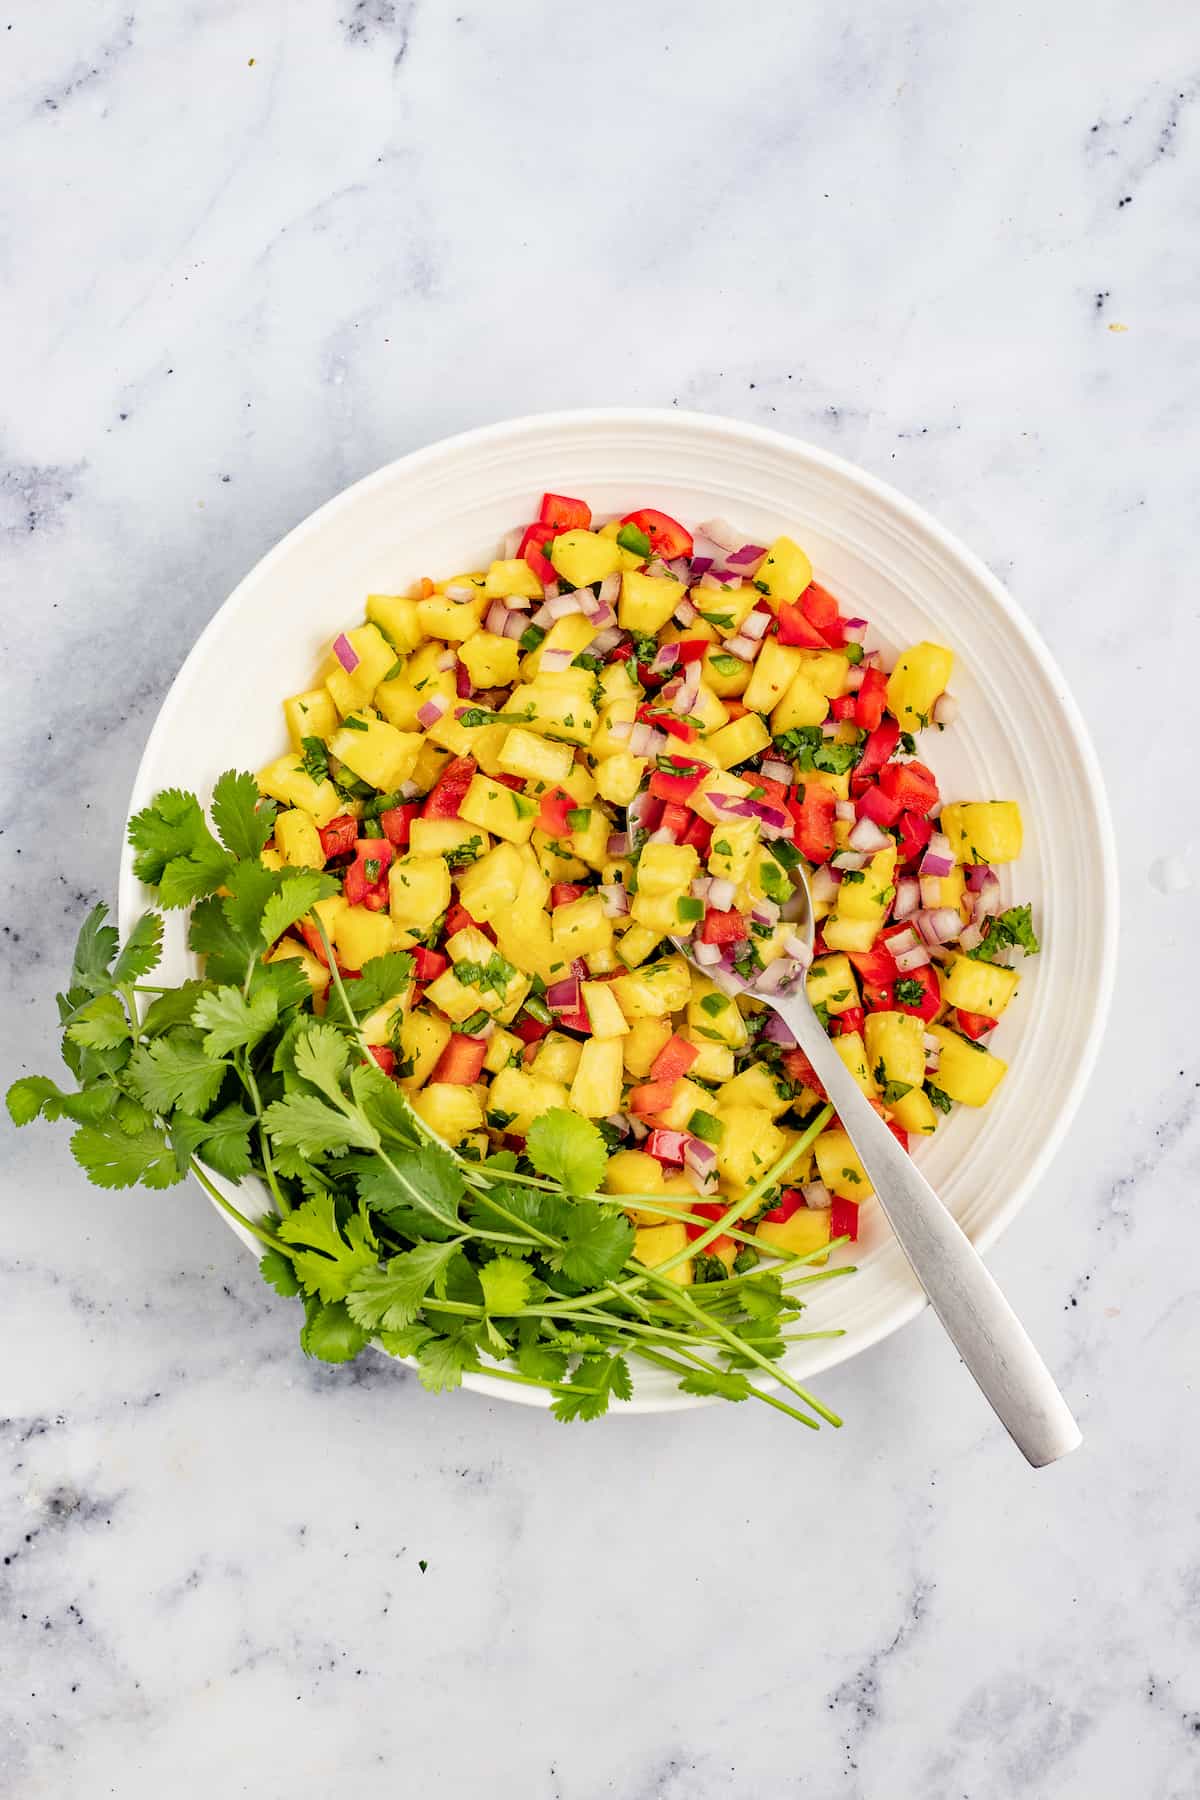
[{"x": 734, "y": 432}]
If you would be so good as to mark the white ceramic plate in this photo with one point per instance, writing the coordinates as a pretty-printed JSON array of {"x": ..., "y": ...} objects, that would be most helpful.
[{"x": 1019, "y": 736}]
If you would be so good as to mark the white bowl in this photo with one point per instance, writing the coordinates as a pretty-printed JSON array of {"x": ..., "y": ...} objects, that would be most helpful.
[{"x": 1019, "y": 736}]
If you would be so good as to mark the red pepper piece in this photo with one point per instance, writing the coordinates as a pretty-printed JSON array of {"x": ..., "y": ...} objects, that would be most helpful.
[
  {"x": 668, "y": 538},
  {"x": 814, "y": 808},
  {"x": 850, "y": 1020},
  {"x": 845, "y": 707},
  {"x": 876, "y": 751},
  {"x": 397, "y": 822},
  {"x": 670, "y": 785},
  {"x": 339, "y": 837},
  {"x": 446, "y": 795},
  {"x": 723, "y": 928},
  {"x": 915, "y": 833},
  {"x": 699, "y": 835},
  {"x": 974, "y": 1025},
  {"x": 911, "y": 785},
  {"x": 461, "y": 1061},
  {"x": 530, "y": 549},
  {"x": 790, "y": 1201},
  {"x": 877, "y": 806},
  {"x": 843, "y": 1219},
  {"x": 870, "y": 700},
  {"x": 563, "y": 892},
  {"x": 876, "y": 964},
  {"x": 821, "y": 610},
  {"x": 712, "y": 1210},
  {"x": 385, "y": 1057},
  {"x": 675, "y": 818},
  {"x": 556, "y": 803},
  {"x": 674, "y": 1059},
  {"x": 692, "y": 649},
  {"x": 528, "y": 1029},
  {"x": 927, "y": 1006},
  {"x": 795, "y": 628},
  {"x": 798, "y": 1068},
  {"x": 562, "y": 513},
  {"x": 651, "y": 1096},
  {"x": 428, "y": 964}
]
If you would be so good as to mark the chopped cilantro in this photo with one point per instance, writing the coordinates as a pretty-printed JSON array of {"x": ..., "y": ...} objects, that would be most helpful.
[
  {"x": 531, "y": 637},
  {"x": 714, "y": 1004},
  {"x": 908, "y": 992},
  {"x": 314, "y": 759},
  {"x": 942, "y": 1101},
  {"x": 353, "y": 724},
  {"x": 722, "y": 621},
  {"x": 853, "y": 875},
  {"x": 1012, "y": 927}
]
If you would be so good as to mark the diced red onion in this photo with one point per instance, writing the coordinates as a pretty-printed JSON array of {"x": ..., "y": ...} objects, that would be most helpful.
[
  {"x": 721, "y": 894},
  {"x": 846, "y": 811},
  {"x": 855, "y": 676},
  {"x": 706, "y": 954},
  {"x": 460, "y": 590},
  {"x": 941, "y": 925},
  {"x": 346, "y": 654},
  {"x": 616, "y": 900},
  {"x": 485, "y": 1031},
  {"x": 645, "y": 741},
  {"x": 849, "y": 859},
  {"x": 945, "y": 710},
  {"x": 550, "y": 590},
  {"x": 462, "y": 681},
  {"x": 685, "y": 613},
  {"x": 774, "y": 770},
  {"x": 970, "y": 937},
  {"x": 564, "y": 996},
  {"x": 563, "y": 605},
  {"x": 610, "y": 589},
  {"x": 900, "y": 941},
  {"x": 721, "y": 532},
  {"x": 700, "y": 887},
  {"x": 621, "y": 729},
  {"x": 431, "y": 712},
  {"x": 657, "y": 568},
  {"x": 987, "y": 900},
  {"x": 618, "y": 1121},
  {"x": 681, "y": 569},
  {"x": 645, "y": 810},
  {"x": 699, "y": 1155},
  {"x": 700, "y": 565},
  {"x": 687, "y": 694},
  {"x": 408, "y": 790},
  {"x": 445, "y": 661},
  {"x": 639, "y": 1130},
  {"x": 778, "y": 1031},
  {"x": 939, "y": 855},
  {"x": 817, "y": 1196},
  {"x": 779, "y": 974},
  {"x": 744, "y": 555},
  {"x": 868, "y": 836},
  {"x": 932, "y": 1045},
  {"x": 618, "y": 844},
  {"x": 601, "y": 615},
  {"x": 665, "y": 659},
  {"x": 798, "y": 950},
  {"x": 765, "y": 912},
  {"x": 908, "y": 896},
  {"x": 977, "y": 874},
  {"x": 662, "y": 835},
  {"x": 824, "y": 883},
  {"x": 553, "y": 661},
  {"x": 705, "y": 1184},
  {"x": 744, "y": 648},
  {"x": 917, "y": 957},
  {"x": 854, "y": 630},
  {"x": 933, "y": 1063},
  {"x": 712, "y": 580},
  {"x": 514, "y": 625},
  {"x": 754, "y": 625},
  {"x": 517, "y": 603},
  {"x": 496, "y": 619},
  {"x": 606, "y": 640}
]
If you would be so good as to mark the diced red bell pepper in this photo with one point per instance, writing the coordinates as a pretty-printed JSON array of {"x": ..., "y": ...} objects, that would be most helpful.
[
  {"x": 428, "y": 964},
  {"x": 666, "y": 1146},
  {"x": 577, "y": 1020},
  {"x": 843, "y": 1219},
  {"x": 850, "y": 1020},
  {"x": 723, "y": 928},
  {"x": 712, "y": 1210},
  {"x": 821, "y": 611},
  {"x": 790, "y": 1201},
  {"x": 927, "y": 1006},
  {"x": 798, "y": 1068},
  {"x": 699, "y": 835},
  {"x": 796, "y": 628},
  {"x": 365, "y": 882},
  {"x": 556, "y": 803},
  {"x": 622, "y": 652},
  {"x": 446, "y": 795},
  {"x": 564, "y": 514},
  {"x": 876, "y": 751},
  {"x": 899, "y": 1133},
  {"x": 974, "y": 1025},
  {"x": 915, "y": 833},
  {"x": 651, "y": 1097},
  {"x": 461, "y": 1061},
  {"x": 563, "y": 892},
  {"x": 675, "y": 818},
  {"x": 509, "y": 781},
  {"x": 458, "y": 919},
  {"x": 877, "y": 996},
  {"x": 911, "y": 785},
  {"x": 844, "y": 708},
  {"x": 734, "y": 709},
  {"x": 669, "y": 785},
  {"x": 339, "y": 837},
  {"x": 530, "y": 549},
  {"x": 376, "y": 899},
  {"x": 668, "y": 538},
  {"x": 312, "y": 938},
  {"x": 674, "y": 1059},
  {"x": 814, "y": 808},
  {"x": 692, "y": 649},
  {"x": 877, "y": 806},
  {"x": 528, "y": 1029},
  {"x": 384, "y": 1056},
  {"x": 666, "y": 721},
  {"x": 397, "y": 822},
  {"x": 875, "y": 964},
  {"x": 765, "y": 787},
  {"x": 870, "y": 700}
]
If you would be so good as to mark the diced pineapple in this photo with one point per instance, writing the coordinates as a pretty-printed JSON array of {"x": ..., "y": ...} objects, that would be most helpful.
[
  {"x": 966, "y": 1071},
  {"x": 716, "y": 781},
  {"x": 489, "y": 887},
  {"x": 775, "y": 668},
  {"x": 805, "y": 1232},
  {"x": 712, "y": 1015},
  {"x": 914, "y": 1113},
  {"x": 646, "y": 1038},
  {"x": 381, "y": 1026},
  {"x": 647, "y": 601},
  {"x": 870, "y": 897},
  {"x": 582, "y": 557},
  {"x": 556, "y": 708},
  {"x": 499, "y": 809},
  {"x": 737, "y": 741},
  {"x": 311, "y": 714},
  {"x": 535, "y": 758},
  {"x": 596, "y": 1089},
  {"x": 656, "y": 1244},
  {"x": 832, "y": 984},
  {"x": 977, "y": 987},
  {"x": 399, "y": 700},
  {"x": 603, "y": 1010},
  {"x": 918, "y": 678},
  {"x": 298, "y": 840},
  {"x": 854, "y": 935},
  {"x": 286, "y": 781},
  {"x": 726, "y": 609},
  {"x": 358, "y": 935},
  {"x": 750, "y": 1143},
  {"x": 396, "y": 616},
  {"x": 850, "y": 1047},
  {"x": 785, "y": 570},
  {"x": 512, "y": 576},
  {"x": 667, "y": 869},
  {"x": 288, "y": 950},
  {"x": 714, "y": 1062},
  {"x": 491, "y": 661},
  {"x": 633, "y": 1172},
  {"x": 983, "y": 831},
  {"x": 839, "y": 1166},
  {"x": 619, "y": 777},
  {"x": 589, "y": 840},
  {"x": 581, "y": 926},
  {"x": 418, "y": 891},
  {"x": 611, "y": 736},
  {"x": 449, "y": 1109},
  {"x": 653, "y": 992},
  {"x": 827, "y": 671},
  {"x": 726, "y": 675},
  {"x": 574, "y": 633},
  {"x": 453, "y": 621},
  {"x": 637, "y": 943},
  {"x": 557, "y": 1057},
  {"x": 732, "y": 848},
  {"x": 687, "y": 1098},
  {"x": 423, "y": 1036},
  {"x": 468, "y": 945},
  {"x": 755, "y": 1086},
  {"x": 555, "y": 859},
  {"x": 802, "y": 704},
  {"x": 502, "y": 1046},
  {"x": 375, "y": 751},
  {"x": 518, "y": 1098}
]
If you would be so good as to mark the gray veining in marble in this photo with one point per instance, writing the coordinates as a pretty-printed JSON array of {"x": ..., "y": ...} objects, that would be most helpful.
[{"x": 251, "y": 251}]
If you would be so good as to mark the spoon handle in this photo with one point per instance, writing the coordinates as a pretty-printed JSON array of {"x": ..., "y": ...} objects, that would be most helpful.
[{"x": 982, "y": 1326}]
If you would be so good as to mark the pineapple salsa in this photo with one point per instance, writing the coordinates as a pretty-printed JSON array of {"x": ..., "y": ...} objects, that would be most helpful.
[{"x": 535, "y": 778}]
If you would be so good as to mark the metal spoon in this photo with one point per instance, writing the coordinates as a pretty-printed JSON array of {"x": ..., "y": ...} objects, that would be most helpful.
[{"x": 978, "y": 1319}]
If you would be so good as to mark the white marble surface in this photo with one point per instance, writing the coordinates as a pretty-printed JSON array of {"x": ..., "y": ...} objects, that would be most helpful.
[{"x": 251, "y": 251}]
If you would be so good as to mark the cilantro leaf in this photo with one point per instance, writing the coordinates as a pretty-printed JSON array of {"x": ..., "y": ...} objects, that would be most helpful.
[
  {"x": 94, "y": 950},
  {"x": 329, "y": 1333},
  {"x": 227, "y": 949},
  {"x": 314, "y": 756},
  {"x": 223, "y": 1142},
  {"x": 442, "y": 1360},
  {"x": 176, "y": 852},
  {"x": 507, "y": 1284},
  {"x": 717, "y": 1382},
  {"x": 112, "y": 1157},
  {"x": 382, "y": 978},
  {"x": 567, "y": 1148},
  {"x": 243, "y": 822},
  {"x": 392, "y": 1296},
  {"x": 508, "y": 1209},
  {"x": 231, "y": 1022},
  {"x": 141, "y": 951},
  {"x": 596, "y": 1378},
  {"x": 328, "y": 1257},
  {"x": 321, "y": 1056},
  {"x": 303, "y": 1122},
  {"x": 418, "y": 1195},
  {"x": 597, "y": 1242},
  {"x": 176, "y": 1071},
  {"x": 1012, "y": 927},
  {"x": 102, "y": 1025},
  {"x": 942, "y": 1101},
  {"x": 298, "y": 895},
  {"x": 278, "y": 1273}
]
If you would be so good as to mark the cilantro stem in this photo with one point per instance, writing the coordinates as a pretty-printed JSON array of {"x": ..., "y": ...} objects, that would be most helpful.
[
  {"x": 251, "y": 1085},
  {"x": 551, "y": 1387},
  {"x": 755, "y": 1393}
]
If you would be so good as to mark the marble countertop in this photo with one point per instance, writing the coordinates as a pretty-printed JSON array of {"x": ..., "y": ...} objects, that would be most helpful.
[{"x": 252, "y": 251}]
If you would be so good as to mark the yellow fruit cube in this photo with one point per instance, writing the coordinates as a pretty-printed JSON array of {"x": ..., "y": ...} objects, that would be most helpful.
[
  {"x": 611, "y": 736},
  {"x": 452, "y": 838},
  {"x": 502, "y": 1046},
  {"x": 491, "y": 661},
  {"x": 895, "y": 1051},
  {"x": 920, "y": 676},
  {"x": 713, "y": 1017},
  {"x": 358, "y": 935},
  {"x": 750, "y": 1143},
  {"x": 667, "y": 869},
  {"x": 452, "y": 621},
  {"x": 977, "y": 987},
  {"x": 647, "y": 601},
  {"x": 636, "y": 945},
  {"x": 806, "y": 1232},
  {"x": 738, "y": 740},
  {"x": 802, "y": 704},
  {"x": 850, "y": 1047},
  {"x": 489, "y": 887},
  {"x": 517, "y": 1098},
  {"x": 535, "y": 758},
  {"x": 870, "y": 897},
  {"x": 596, "y": 1089},
  {"x": 914, "y": 1113},
  {"x": 619, "y": 777},
  {"x": 582, "y": 557},
  {"x": 983, "y": 831},
  {"x": 288, "y": 950},
  {"x": 832, "y": 984},
  {"x": 286, "y": 781},
  {"x": 298, "y": 841},
  {"x": 311, "y": 714},
  {"x": 423, "y": 1036},
  {"x": 726, "y": 675},
  {"x": 714, "y": 1061},
  {"x": 375, "y": 751},
  {"x": 382, "y": 1025},
  {"x": 839, "y": 1166},
  {"x": 755, "y": 1086},
  {"x": 498, "y": 809},
  {"x": 581, "y": 926},
  {"x": 785, "y": 570},
  {"x": 418, "y": 891},
  {"x": 966, "y": 1071},
  {"x": 449, "y": 1109},
  {"x": 603, "y": 1010},
  {"x": 646, "y": 1038},
  {"x": 556, "y": 708},
  {"x": 657, "y": 1244},
  {"x": 557, "y": 1057},
  {"x": 653, "y": 992},
  {"x": 775, "y": 668},
  {"x": 396, "y": 616},
  {"x": 511, "y": 577}
]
